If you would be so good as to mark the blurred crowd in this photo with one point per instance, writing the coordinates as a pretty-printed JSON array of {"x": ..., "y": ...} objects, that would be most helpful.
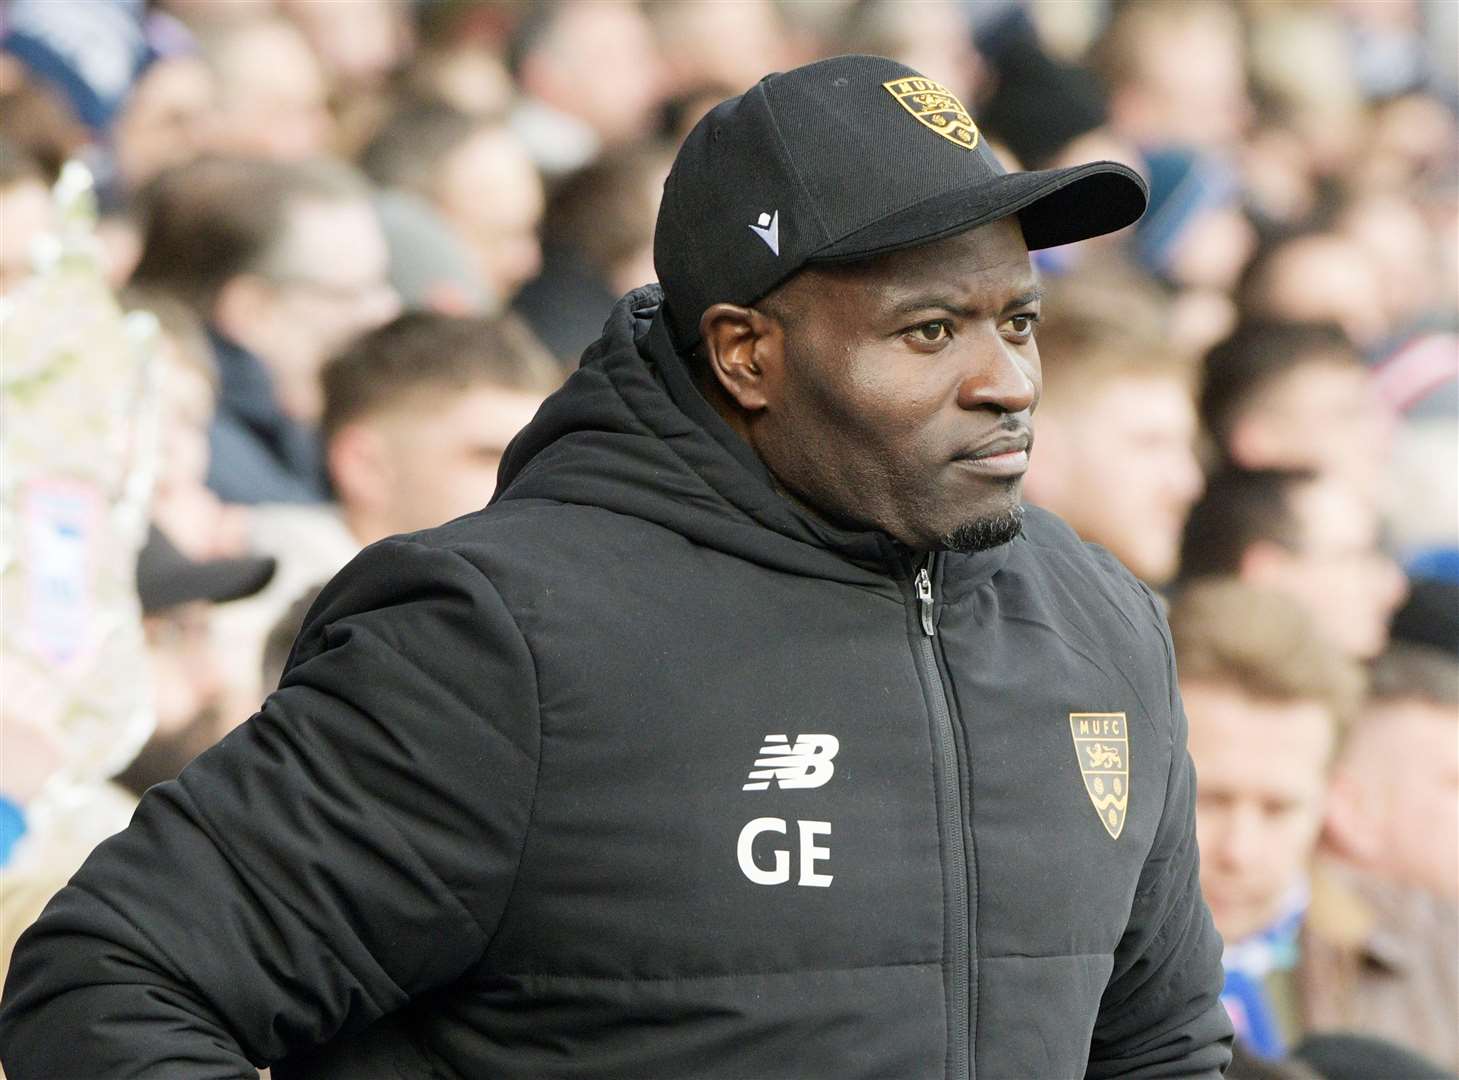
[{"x": 375, "y": 234}]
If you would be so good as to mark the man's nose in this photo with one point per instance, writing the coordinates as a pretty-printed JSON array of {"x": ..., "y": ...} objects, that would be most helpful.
[{"x": 999, "y": 377}]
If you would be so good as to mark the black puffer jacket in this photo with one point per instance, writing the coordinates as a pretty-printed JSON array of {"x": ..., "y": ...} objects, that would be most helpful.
[{"x": 643, "y": 773}]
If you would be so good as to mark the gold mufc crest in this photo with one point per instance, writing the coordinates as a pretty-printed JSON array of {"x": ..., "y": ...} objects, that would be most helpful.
[
  {"x": 935, "y": 107},
  {"x": 1102, "y": 741}
]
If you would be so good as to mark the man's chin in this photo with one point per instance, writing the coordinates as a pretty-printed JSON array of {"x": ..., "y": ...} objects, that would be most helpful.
[{"x": 988, "y": 531}]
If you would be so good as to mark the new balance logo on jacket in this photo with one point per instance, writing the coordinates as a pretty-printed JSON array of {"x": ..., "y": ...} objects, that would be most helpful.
[
  {"x": 809, "y": 762},
  {"x": 806, "y": 763}
]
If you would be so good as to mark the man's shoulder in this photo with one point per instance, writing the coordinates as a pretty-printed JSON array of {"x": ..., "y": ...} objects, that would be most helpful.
[
  {"x": 521, "y": 543},
  {"x": 1054, "y": 547}
]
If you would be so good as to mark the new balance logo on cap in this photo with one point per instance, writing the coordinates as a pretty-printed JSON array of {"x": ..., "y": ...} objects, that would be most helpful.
[
  {"x": 806, "y": 763},
  {"x": 768, "y": 230}
]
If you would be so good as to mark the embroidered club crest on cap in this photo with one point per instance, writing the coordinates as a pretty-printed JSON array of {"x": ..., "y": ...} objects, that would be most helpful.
[
  {"x": 935, "y": 107},
  {"x": 1102, "y": 743}
]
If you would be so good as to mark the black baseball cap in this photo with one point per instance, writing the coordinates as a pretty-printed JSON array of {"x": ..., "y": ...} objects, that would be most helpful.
[
  {"x": 843, "y": 159},
  {"x": 166, "y": 578}
]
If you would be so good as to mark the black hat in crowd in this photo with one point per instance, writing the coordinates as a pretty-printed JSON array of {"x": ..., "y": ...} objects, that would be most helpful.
[
  {"x": 166, "y": 578},
  {"x": 840, "y": 160}
]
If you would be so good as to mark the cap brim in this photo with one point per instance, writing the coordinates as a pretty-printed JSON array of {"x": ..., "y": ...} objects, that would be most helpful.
[
  {"x": 1054, "y": 206},
  {"x": 166, "y": 578}
]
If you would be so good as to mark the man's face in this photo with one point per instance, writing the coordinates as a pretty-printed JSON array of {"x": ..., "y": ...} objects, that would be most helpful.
[
  {"x": 1405, "y": 753},
  {"x": 1320, "y": 415},
  {"x": 602, "y": 66},
  {"x": 490, "y": 191},
  {"x": 443, "y": 452},
  {"x": 186, "y": 682},
  {"x": 903, "y": 395},
  {"x": 1337, "y": 570},
  {"x": 328, "y": 286},
  {"x": 1119, "y": 465},
  {"x": 166, "y": 119},
  {"x": 273, "y": 99},
  {"x": 1261, "y": 778}
]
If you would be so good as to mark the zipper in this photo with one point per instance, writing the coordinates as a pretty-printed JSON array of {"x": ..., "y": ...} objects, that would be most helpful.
[
  {"x": 924, "y": 601},
  {"x": 949, "y": 789}
]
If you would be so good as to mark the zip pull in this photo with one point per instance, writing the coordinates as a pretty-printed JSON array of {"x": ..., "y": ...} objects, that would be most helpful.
[{"x": 924, "y": 601}]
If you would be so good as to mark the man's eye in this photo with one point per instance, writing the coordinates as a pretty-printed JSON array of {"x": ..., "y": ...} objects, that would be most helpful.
[
  {"x": 932, "y": 333},
  {"x": 1022, "y": 325}
]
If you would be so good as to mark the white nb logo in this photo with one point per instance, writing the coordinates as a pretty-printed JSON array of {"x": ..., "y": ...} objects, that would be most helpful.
[{"x": 806, "y": 763}]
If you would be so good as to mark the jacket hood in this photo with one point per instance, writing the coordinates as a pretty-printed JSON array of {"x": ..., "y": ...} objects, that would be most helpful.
[{"x": 629, "y": 432}]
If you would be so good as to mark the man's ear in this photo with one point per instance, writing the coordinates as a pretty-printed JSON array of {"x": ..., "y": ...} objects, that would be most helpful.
[
  {"x": 745, "y": 351},
  {"x": 241, "y": 305},
  {"x": 1352, "y": 822},
  {"x": 359, "y": 466}
]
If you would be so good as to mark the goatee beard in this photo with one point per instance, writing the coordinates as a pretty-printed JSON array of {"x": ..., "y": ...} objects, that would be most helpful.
[{"x": 983, "y": 533}]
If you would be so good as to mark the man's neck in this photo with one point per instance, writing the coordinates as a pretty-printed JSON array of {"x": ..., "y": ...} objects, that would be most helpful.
[{"x": 364, "y": 526}]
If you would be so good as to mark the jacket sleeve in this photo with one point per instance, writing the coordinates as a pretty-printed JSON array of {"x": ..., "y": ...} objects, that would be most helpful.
[
  {"x": 1161, "y": 1014},
  {"x": 350, "y": 847}
]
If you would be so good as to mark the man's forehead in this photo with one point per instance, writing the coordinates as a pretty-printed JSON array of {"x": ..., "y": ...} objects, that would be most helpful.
[{"x": 991, "y": 260}]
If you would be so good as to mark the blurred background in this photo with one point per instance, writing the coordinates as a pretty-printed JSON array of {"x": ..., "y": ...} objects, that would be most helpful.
[{"x": 326, "y": 257}]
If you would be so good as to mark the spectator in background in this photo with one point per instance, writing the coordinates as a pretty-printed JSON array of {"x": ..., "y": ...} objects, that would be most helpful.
[
  {"x": 178, "y": 597},
  {"x": 1195, "y": 240},
  {"x": 417, "y": 414},
  {"x": 25, "y": 210},
  {"x": 1266, "y": 698},
  {"x": 477, "y": 176},
  {"x": 598, "y": 244},
  {"x": 1116, "y": 438},
  {"x": 183, "y": 506},
  {"x": 272, "y": 94},
  {"x": 900, "y": 31},
  {"x": 168, "y": 120},
  {"x": 590, "y": 77},
  {"x": 1392, "y": 232},
  {"x": 1393, "y": 827},
  {"x": 1307, "y": 536},
  {"x": 1297, "y": 396},
  {"x": 1176, "y": 75},
  {"x": 430, "y": 268},
  {"x": 359, "y": 46},
  {"x": 1317, "y": 276},
  {"x": 285, "y": 263},
  {"x": 709, "y": 43},
  {"x": 460, "y": 58},
  {"x": 36, "y": 121}
]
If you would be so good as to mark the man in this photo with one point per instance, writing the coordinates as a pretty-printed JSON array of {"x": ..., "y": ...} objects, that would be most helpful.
[
  {"x": 753, "y": 731},
  {"x": 1304, "y": 534},
  {"x": 591, "y": 78},
  {"x": 417, "y": 415},
  {"x": 272, "y": 95},
  {"x": 1176, "y": 75},
  {"x": 1117, "y": 434},
  {"x": 1311, "y": 945},
  {"x": 478, "y": 177},
  {"x": 1297, "y": 396},
  {"x": 1318, "y": 276},
  {"x": 285, "y": 264},
  {"x": 1266, "y": 698},
  {"x": 1392, "y": 827}
]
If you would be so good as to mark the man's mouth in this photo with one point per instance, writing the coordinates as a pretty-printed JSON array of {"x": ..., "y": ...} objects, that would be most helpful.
[{"x": 1005, "y": 455}]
